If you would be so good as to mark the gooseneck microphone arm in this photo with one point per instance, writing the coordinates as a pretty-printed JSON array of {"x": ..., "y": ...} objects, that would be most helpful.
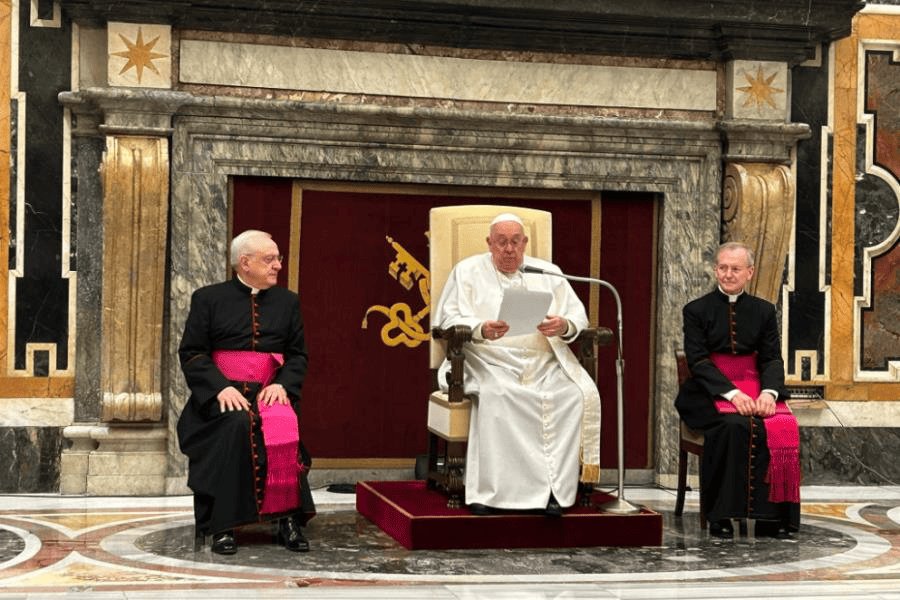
[
  {"x": 606, "y": 284},
  {"x": 619, "y": 505}
]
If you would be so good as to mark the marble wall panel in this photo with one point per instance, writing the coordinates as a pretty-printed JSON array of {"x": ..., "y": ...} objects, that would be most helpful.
[
  {"x": 87, "y": 154},
  {"x": 39, "y": 295},
  {"x": 417, "y": 76},
  {"x": 804, "y": 308},
  {"x": 878, "y": 216},
  {"x": 678, "y": 160},
  {"x": 32, "y": 459},
  {"x": 850, "y": 456}
]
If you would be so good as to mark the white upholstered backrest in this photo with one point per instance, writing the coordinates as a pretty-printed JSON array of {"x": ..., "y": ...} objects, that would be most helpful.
[{"x": 457, "y": 232}]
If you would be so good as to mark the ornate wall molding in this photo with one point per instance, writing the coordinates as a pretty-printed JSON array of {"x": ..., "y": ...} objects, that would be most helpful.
[{"x": 785, "y": 31}]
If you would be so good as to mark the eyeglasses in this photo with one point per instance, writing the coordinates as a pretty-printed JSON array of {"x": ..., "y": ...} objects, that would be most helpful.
[
  {"x": 725, "y": 269},
  {"x": 270, "y": 258},
  {"x": 514, "y": 243}
]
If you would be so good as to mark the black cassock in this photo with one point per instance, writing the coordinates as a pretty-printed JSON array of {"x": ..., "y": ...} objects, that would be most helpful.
[
  {"x": 735, "y": 454},
  {"x": 227, "y": 458}
]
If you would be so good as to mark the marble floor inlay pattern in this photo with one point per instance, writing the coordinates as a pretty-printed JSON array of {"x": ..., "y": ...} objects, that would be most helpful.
[{"x": 59, "y": 546}]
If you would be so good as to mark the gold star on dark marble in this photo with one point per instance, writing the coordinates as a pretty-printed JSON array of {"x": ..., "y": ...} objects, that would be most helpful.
[
  {"x": 139, "y": 54},
  {"x": 760, "y": 90}
]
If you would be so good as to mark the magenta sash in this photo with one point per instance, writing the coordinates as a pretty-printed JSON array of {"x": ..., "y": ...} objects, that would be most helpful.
[
  {"x": 782, "y": 431},
  {"x": 281, "y": 432}
]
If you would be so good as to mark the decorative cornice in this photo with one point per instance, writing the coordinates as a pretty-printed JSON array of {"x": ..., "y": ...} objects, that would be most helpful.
[
  {"x": 130, "y": 103},
  {"x": 786, "y": 31},
  {"x": 132, "y": 111},
  {"x": 747, "y": 140}
]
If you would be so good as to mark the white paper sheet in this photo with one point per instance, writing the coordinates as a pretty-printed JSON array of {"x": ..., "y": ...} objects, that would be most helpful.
[{"x": 523, "y": 310}]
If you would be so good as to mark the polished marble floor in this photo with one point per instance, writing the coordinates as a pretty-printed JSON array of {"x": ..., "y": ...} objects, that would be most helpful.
[{"x": 142, "y": 548}]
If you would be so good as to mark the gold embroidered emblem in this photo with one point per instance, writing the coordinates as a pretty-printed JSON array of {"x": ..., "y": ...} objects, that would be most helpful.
[{"x": 404, "y": 327}]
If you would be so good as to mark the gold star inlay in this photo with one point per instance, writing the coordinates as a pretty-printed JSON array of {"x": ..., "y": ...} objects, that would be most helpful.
[
  {"x": 760, "y": 89},
  {"x": 139, "y": 54}
]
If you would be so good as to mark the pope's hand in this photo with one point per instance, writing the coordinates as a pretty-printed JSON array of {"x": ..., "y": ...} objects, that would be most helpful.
[
  {"x": 553, "y": 325},
  {"x": 494, "y": 330}
]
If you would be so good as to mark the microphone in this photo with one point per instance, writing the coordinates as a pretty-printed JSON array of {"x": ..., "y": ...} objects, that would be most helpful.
[
  {"x": 523, "y": 268},
  {"x": 618, "y": 505},
  {"x": 529, "y": 269}
]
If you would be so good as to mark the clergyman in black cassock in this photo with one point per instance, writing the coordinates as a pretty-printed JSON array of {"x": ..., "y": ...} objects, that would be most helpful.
[
  {"x": 735, "y": 453},
  {"x": 223, "y": 441}
]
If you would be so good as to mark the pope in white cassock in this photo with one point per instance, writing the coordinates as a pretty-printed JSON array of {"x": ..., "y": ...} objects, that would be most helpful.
[{"x": 536, "y": 405}]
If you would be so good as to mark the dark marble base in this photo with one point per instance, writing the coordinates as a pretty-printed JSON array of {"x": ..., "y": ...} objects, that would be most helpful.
[
  {"x": 850, "y": 455},
  {"x": 32, "y": 459}
]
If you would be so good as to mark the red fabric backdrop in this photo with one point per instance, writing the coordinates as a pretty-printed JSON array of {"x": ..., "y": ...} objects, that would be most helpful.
[{"x": 363, "y": 398}]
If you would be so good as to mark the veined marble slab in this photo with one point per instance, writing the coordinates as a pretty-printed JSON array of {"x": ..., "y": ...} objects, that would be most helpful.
[
  {"x": 37, "y": 412},
  {"x": 839, "y": 413},
  {"x": 375, "y": 73}
]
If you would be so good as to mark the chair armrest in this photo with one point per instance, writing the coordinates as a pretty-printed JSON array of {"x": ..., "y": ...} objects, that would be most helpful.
[
  {"x": 588, "y": 340},
  {"x": 455, "y": 337}
]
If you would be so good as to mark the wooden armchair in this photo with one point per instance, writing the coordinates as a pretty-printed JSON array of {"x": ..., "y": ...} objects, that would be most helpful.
[
  {"x": 456, "y": 233},
  {"x": 690, "y": 442}
]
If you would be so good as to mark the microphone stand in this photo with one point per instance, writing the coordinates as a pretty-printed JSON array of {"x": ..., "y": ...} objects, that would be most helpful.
[{"x": 619, "y": 505}]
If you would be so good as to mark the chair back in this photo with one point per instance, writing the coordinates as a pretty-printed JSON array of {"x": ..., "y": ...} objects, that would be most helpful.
[
  {"x": 457, "y": 232},
  {"x": 681, "y": 363}
]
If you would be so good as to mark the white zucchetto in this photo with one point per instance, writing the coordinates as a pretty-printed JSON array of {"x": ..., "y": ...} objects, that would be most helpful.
[{"x": 502, "y": 217}]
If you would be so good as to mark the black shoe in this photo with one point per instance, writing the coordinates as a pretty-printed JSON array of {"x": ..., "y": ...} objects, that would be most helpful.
[
  {"x": 773, "y": 529},
  {"x": 480, "y": 509},
  {"x": 721, "y": 529},
  {"x": 291, "y": 536},
  {"x": 223, "y": 543},
  {"x": 553, "y": 508},
  {"x": 783, "y": 534}
]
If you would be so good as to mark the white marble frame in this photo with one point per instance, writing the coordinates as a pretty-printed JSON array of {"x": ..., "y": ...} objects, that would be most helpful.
[{"x": 681, "y": 161}]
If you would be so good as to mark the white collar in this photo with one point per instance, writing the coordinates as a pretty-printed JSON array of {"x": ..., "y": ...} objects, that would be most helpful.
[
  {"x": 732, "y": 298},
  {"x": 253, "y": 290}
]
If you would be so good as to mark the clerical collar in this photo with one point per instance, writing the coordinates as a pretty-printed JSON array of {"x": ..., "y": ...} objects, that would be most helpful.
[
  {"x": 513, "y": 279},
  {"x": 732, "y": 298},
  {"x": 253, "y": 290}
]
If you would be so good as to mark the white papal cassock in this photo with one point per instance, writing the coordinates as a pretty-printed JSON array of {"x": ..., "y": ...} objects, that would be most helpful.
[{"x": 533, "y": 395}]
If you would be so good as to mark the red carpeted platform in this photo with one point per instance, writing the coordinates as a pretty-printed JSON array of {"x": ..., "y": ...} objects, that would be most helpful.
[{"x": 419, "y": 519}]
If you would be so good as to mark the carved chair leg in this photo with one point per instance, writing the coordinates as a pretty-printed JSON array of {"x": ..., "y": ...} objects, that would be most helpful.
[
  {"x": 430, "y": 483},
  {"x": 455, "y": 465},
  {"x": 586, "y": 491},
  {"x": 199, "y": 540},
  {"x": 682, "y": 482},
  {"x": 700, "y": 477}
]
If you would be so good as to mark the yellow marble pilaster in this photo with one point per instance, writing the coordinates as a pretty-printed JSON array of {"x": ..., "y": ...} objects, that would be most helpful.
[
  {"x": 758, "y": 208},
  {"x": 5, "y": 137},
  {"x": 135, "y": 190},
  {"x": 843, "y": 202}
]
